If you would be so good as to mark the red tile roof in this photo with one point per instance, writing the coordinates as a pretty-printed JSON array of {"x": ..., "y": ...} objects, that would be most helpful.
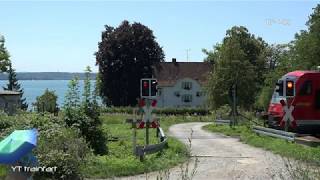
[{"x": 168, "y": 73}]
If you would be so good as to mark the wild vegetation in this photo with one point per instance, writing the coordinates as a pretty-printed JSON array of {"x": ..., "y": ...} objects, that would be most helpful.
[
  {"x": 47, "y": 102},
  {"x": 65, "y": 147},
  {"x": 84, "y": 115}
]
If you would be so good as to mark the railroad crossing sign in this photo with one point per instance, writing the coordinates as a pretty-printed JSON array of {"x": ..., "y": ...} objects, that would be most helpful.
[
  {"x": 146, "y": 107},
  {"x": 287, "y": 116}
]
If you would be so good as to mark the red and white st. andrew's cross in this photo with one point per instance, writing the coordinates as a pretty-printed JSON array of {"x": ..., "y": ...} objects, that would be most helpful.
[
  {"x": 147, "y": 106},
  {"x": 287, "y": 116}
]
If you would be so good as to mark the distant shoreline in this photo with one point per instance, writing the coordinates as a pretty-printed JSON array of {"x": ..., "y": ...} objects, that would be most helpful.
[{"x": 47, "y": 76}]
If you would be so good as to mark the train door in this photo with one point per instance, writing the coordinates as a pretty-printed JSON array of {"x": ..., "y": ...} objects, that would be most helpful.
[
  {"x": 317, "y": 99},
  {"x": 303, "y": 103}
]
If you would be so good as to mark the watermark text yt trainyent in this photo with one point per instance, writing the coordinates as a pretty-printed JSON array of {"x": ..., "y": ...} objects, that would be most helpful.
[
  {"x": 272, "y": 21},
  {"x": 34, "y": 169}
]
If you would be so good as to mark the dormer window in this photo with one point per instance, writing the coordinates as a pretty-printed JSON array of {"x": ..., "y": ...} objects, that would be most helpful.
[{"x": 186, "y": 85}]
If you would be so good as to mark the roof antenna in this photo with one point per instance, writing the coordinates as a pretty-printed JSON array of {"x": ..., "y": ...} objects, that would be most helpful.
[{"x": 188, "y": 50}]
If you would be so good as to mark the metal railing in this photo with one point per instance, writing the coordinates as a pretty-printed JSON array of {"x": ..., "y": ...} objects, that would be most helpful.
[
  {"x": 153, "y": 148},
  {"x": 289, "y": 136},
  {"x": 140, "y": 150},
  {"x": 222, "y": 122}
]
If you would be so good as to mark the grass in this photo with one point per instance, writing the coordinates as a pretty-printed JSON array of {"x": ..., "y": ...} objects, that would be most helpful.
[
  {"x": 277, "y": 146},
  {"x": 3, "y": 171},
  {"x": 121, "y": 162}
]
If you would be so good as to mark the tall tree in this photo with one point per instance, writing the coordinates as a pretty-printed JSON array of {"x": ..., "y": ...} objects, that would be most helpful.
[
  {"x": 87, "y": 89},
  {"x": 239, "y": 60},
  {"x": 126, "y": 54},
  {"x": 14, "y": 85},
  {"x": 4, "y": 55},
  {"x": 306, "y": 49}
]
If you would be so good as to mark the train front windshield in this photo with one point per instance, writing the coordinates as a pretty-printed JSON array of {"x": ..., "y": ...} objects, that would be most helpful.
[{"x": 276, "y": 98}]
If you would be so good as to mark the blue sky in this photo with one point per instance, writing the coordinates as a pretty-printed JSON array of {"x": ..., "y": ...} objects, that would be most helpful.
[{"x": 63, "y": 36}]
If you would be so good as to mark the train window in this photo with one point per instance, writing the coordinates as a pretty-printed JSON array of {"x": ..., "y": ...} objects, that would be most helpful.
[
  {"x": 317, "y": 103},
  {"x": 306, "y": 88}
]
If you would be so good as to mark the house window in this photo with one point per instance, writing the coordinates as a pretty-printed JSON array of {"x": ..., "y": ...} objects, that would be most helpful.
[
  {"x": 186, "y": 98},
  {"x": 177, "y": 93},
  {"x": 186, "y": 85},
  {"x": 199, "y": 93}
]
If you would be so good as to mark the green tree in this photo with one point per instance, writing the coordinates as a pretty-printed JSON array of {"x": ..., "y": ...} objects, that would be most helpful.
[
  {"x": 14, "y": 85},
  {"x": 87, "y": 89},
  {"x": 126, "y": 54},
  {"x": 213, "y": 55},
  {"x": 4, "y": 55},
  {"x": 47, "y": 102},
  {"x": 306, "y": 49},
  {"x": 279, "y": 61},
  {"x": 72, "y": 97},
  {"x": 89, "y": 98},
  {"x": 84, "y": 114},
  {"x": 239, "y": 60}
]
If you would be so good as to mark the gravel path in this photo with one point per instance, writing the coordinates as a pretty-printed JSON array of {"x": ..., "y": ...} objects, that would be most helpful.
[{"x": 221, "y": 157}]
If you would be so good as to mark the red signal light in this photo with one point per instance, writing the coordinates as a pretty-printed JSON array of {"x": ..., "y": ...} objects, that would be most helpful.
[{"x": 145, "y": 84}]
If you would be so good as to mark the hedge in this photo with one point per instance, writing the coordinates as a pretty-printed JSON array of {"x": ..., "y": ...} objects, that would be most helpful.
[{"x": 164, "y": 111}]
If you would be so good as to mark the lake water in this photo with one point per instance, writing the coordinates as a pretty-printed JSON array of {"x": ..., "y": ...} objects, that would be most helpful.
[{"x": 34, "y": 88}]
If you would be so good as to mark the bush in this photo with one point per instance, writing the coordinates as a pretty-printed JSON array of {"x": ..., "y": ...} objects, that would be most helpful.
[
  {"x": 47, "y": 102},
  {"x": 164, "y": 111},
  {"x": 89, "y": 129},
  {"x": 63, "y": 149},
  {"x": 57, "y": 145}
]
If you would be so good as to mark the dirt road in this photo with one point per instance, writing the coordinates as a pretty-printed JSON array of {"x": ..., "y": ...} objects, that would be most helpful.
[{"x": 222, "y": 157}]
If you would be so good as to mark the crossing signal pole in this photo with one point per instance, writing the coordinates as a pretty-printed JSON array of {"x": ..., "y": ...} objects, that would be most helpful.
[{"x": 148, "y": 92}]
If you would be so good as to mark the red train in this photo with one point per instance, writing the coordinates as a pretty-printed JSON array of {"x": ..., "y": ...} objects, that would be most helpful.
[{"x": 295, "y": 103}]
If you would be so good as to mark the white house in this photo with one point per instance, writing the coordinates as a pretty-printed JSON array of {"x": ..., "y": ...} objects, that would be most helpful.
[{"x": 180, "y": 84}]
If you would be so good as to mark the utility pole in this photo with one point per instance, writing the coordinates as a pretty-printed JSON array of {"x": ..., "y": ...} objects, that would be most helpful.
[{"x": 234, "y": 105}]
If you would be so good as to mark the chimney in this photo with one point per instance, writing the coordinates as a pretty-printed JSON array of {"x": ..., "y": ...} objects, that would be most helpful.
[{"x": 174, "y": 60}]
